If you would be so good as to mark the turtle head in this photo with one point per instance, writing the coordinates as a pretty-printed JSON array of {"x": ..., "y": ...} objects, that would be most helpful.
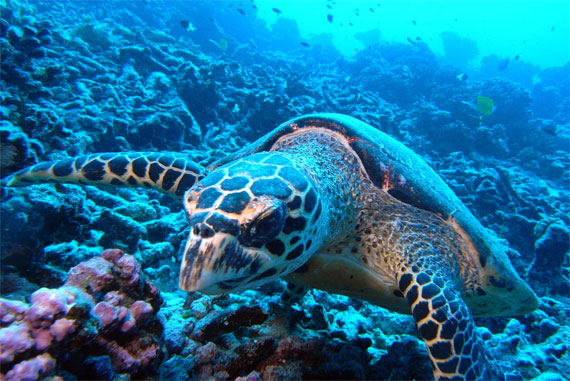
[{"x": 252, "y": 221}]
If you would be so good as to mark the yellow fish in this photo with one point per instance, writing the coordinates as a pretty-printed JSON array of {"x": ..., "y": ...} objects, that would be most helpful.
[{"x": 484, "y": 105}]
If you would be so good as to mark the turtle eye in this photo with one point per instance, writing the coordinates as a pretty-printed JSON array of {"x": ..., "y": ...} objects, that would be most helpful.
[{"x": 264, "y": 227}]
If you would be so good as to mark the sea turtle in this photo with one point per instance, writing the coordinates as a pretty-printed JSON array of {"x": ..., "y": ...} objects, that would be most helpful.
[{"x": 329, "y": 202}]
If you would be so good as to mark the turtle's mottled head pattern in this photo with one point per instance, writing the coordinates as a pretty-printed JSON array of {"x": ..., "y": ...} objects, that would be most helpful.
[{"x": 252, "y": 221}]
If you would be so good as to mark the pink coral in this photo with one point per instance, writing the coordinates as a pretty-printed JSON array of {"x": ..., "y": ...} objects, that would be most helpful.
[
  {"x": 14, "y": 339},
  {"x": 12, "y": 310},
  {"x": 114, "y": 298},
  {"x": 129, "y": 325},
  {"x": 61, "y": 328},
  {"x": 43, "y": 338},
  {"x": 34, "y": 369},
  {"x": 47, "y": 305},
  {"x": 94, "y": 275},
  {"x": 104, "y": 307},
  {"x": 109, "y": 315},
  {"x": 112, "y": 255},
  {"x": 130, "y": 271},
  {"x": 141, "y": 311}
]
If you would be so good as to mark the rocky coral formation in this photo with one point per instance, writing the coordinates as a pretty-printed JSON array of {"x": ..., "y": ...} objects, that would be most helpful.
[
  {"x": 73, "y": 82},
  {"x": 101, "y": 323}
]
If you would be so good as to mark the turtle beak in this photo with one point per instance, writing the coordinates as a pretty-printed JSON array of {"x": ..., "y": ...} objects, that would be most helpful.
[{"x": 218, "y": 264}]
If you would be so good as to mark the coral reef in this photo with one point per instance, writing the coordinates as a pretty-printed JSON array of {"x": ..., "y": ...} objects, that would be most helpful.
[
  {"x": 73, "y": 81},
  {"x": 101, "y": 323}
]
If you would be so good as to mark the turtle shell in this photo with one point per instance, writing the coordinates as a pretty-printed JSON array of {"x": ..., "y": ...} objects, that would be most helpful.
[{"x": 394, "y": 167}]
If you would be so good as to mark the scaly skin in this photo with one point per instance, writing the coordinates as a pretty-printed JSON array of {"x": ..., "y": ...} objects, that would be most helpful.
[{"x": 413, "y": 254}]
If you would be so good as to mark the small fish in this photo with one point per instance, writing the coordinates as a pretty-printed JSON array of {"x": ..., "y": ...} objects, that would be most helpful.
[
  {"x": 503, "y": 64},
  {"x": 253, "y": 6},
  {"x": 351, "y": 24},
  {"x": 222, "y": 44},
  {"x": 371, "y": 10},
  {"x": 241, "y": 11},
  {"x": 411, "y": 41},
  {"x": 329, "y": 6},
  {"x": 414, "y": 22},
  {"x": 550, "y": 130},
  {"x": 552, "y": 29},
  {"x": 418, "y": 38},
  {"x": 517, "y": 57},
  {"x": 187, "y": 25},
  {"x": 278, "y": 11},
  {"x": 462, "y": 77},
  {"x": 484, "y": 105},
  {"x": 305, "y": 44},
  {"x": 330, "y": 18}
]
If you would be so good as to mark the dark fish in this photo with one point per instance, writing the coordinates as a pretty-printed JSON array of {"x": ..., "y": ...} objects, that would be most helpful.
[
  {"x": 329, "y": 6},
  {"x": 550, "y": 130},
  {"x": 517, "y": 57},
  {"x": 552, "y": 29},
  {"x": 253, "y": 6},
  {"x": 414, "y": 22},
  {"x": 351, "y": 24},
  {"x": 276, "y": 11},
  {"x": 411, "y": 41},
  {"x": 503, "y": 64},
  {"x": 241, "y": 11},
  {"x": 305, "y": 44},
  {"x": 371, "y": 10},
  {"x": 329, "y": 17},
  {"x": 211, "y": 19},
  {"x": 418, "y": 38},
  {"x": 184, "y": 24}
]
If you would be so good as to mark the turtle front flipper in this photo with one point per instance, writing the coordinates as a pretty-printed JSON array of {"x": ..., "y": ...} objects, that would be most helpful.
[
  {"x": 170, "y": 173},
  {"x": 446, "y": 326}
]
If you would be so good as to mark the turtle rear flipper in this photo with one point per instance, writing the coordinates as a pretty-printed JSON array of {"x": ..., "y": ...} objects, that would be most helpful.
[
  {"x": 446, "y": 326},
  {"x": 170, "y": 173}
]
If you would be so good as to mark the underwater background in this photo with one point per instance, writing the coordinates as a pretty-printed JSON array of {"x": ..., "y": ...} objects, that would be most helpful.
[{"x": 479, "y": 89}]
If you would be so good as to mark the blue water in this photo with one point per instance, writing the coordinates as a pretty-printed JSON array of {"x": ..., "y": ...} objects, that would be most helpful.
[{"x": 479, "y": 89}]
